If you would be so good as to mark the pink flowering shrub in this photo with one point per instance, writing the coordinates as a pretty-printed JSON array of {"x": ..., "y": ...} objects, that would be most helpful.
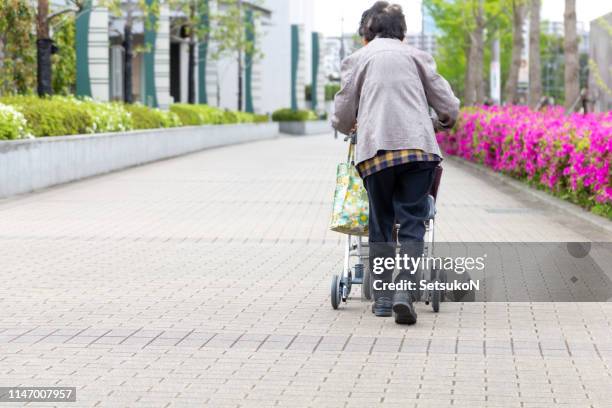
[{"x": 567, "y": 155}]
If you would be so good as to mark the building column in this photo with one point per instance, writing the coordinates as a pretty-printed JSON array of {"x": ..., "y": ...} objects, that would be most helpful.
[
  {"x": 298, "y": 100},
  {"x": 203, "y": 55},
  {"x": 157, "y": 59},
  {"x": 92, "y": 52},
  {"x": 318, "y": 74},
  {"x": 184, "y": 74},
  {"x": 207, "y": 69},
  {"x": 249, "y": 61}
]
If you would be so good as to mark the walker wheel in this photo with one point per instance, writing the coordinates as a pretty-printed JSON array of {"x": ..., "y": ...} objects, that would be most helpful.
[
  {"x": 366, "y": 286},
  {"x": 336, "y": 292},
  {"x": 435, "y": 300},
  {"x": 437, "y": 295}
]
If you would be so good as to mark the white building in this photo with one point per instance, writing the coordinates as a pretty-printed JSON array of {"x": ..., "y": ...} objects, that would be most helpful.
[
  {"x": 556, "y": 28},
  {"x": 160, "y": 73}
]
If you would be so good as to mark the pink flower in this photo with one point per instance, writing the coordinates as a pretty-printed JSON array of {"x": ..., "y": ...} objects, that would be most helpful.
[{"x": 562, "y": 153}]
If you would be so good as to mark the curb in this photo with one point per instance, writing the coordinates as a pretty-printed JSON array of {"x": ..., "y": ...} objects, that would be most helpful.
[
  {"x": 553, "y": 201},
  {"x": 35, "y": 164}
]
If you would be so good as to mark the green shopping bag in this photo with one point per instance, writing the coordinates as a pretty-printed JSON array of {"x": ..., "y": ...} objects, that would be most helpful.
[{"x": 351, "y": 207}]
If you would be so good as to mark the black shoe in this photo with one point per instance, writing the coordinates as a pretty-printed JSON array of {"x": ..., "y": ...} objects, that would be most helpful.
[
  {"x": 382, "y": 307},
  {"x": 404, "y": 309}
]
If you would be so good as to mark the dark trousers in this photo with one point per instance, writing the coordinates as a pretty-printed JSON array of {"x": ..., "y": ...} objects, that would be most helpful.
[{"x": 398, "y": 194}]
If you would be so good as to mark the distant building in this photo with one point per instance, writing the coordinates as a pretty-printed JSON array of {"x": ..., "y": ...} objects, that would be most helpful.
[
  {"x": 425, "y": 42},
  {"x": 336, "y": 49},
  {"x": 292, "y": 58},
  {"x": 553, "y": 60},
  {"x": 556, "y": 28},
  {"x": 429, "y": 24},
  {"x": 600, "y": 61}
]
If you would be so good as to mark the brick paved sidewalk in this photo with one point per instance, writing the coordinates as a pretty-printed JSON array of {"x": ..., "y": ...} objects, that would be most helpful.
[{"x": 204, "y": 280}]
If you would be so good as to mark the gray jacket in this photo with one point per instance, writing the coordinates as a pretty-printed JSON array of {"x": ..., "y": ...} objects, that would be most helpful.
[{"x": 387, "y": 88}]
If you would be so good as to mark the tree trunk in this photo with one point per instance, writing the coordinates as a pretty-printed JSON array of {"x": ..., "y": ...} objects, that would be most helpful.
[
  {"x": 240, "y": 74},
  {"x": 469, "y": 91},
  {"x": 128, "y": 46},
  {"x": 479, "y": 44},
  {"x": 191, "y": 93},
  {"x": 570, "y": 45},
  {"x": 518, "y": 16},
  {"x": 535, "y": 68},
  {"x": 44, "y": 47},
  {"x": 474, "y": 83}
]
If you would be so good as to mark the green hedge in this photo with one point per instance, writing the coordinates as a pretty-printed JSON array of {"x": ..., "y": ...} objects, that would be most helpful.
[
  {"x": 152, "y": 118},
  {"x": 194, "y": 115},
  {"x": 25, "y": 116},
  {"x": 12, "y": 123},
  {"x": 289, "y": 115},
  {"x": 59, "y": 115},
  {"x": 331, "y": 90}
]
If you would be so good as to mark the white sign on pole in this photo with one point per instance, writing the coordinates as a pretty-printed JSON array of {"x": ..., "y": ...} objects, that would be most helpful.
[
  {"x": 523, "y": 77},
  {"x": 495, "y": 74}
]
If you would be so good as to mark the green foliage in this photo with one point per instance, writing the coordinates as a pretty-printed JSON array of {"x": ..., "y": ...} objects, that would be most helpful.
[
  {"x": 25, "y": 116},
  {"x": 260, "y": 118},
  {"x": 331, "y": 90},
  {"x": 192, "y": 16},
  {"x": 18, "y": 66},
  {"x": 230, "y": 28},
  {"x": 58, "y": 115},
  {"x": 12, "y": 123},
  {"x": 51, "y": 116},
  {"x": 64, "y": 61},
  {"x": 456, "y": 20},
  {"x": 108, "y": 117},
  {"x": 194, "y": 115},
  {"x": 144, "y": 117},
  {"x": 605, "y": 210},
  {"x": 289, "y": 115},
  {"x": 245, "y": 117},
  {"x": 133, "y": 12}
]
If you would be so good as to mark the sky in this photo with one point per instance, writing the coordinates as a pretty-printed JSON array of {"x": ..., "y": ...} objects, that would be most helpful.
[{"x": 328, "y": 13}]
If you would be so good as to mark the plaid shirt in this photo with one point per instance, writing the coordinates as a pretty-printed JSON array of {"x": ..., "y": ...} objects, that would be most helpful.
[{"x": 389, "y": 158}]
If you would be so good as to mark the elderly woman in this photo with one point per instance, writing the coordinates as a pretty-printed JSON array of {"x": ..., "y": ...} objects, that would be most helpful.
[{"x": 387, "y": 90}]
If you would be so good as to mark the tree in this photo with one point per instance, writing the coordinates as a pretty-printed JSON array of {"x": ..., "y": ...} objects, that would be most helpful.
[
  {"x": 229, "y": 33},
  {"x": 193, "y": 12},
  {"x": 17, "y": 42},
  {"x": 44, "y": 49},
  {"x": 474, "y": 84},
  {"x": 467, "y": 27},
  {"x": 132, "y": 11},
  {"x": 570, "y": 46},
  {"x": 452, "y": 53},
  {"x": 64, "y": 61},
  {"x": 518, "y": 19},
  {"x": 535, "y": 68},
  {"x": 551, "y": 47}
]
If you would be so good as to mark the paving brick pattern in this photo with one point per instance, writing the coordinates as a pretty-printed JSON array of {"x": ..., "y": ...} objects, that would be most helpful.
[{"x": 204, "y": 281}]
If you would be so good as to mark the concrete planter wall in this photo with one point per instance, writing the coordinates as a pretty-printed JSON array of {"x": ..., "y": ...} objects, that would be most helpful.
[
  {"x": 311, "y": 127},
  {"x": 33, "y": 164}
]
